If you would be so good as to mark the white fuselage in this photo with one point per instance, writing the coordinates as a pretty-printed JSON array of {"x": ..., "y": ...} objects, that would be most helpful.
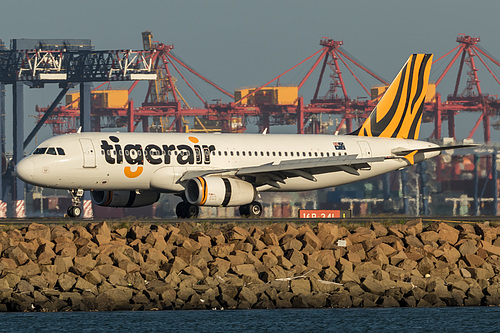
[{"x": 156, "y": 161}]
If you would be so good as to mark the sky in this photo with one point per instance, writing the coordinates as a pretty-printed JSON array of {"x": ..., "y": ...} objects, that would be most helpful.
[{"x": 243, "y": 43}]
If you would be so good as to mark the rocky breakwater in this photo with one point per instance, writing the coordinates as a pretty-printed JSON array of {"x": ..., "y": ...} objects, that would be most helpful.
[{"x": 71, "y": 268}]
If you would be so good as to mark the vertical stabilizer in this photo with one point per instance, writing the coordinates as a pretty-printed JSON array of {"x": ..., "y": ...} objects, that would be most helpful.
[{"x": 398, "y": 114}]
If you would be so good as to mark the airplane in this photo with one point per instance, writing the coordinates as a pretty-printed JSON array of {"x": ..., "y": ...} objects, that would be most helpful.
[{"x": 213, "y": 170}]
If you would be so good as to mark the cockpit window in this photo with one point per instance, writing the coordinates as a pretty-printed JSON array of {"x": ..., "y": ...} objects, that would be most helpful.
[
  {"x": 49, "y": 151},
  {"x": 40, "y": 150}
]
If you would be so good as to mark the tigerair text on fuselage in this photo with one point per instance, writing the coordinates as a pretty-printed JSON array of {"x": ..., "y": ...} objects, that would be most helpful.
[{"x": 134, "y": 154}]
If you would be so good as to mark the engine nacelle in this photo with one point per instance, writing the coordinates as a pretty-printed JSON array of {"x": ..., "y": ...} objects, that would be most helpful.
[
  {"x": 124, "y": 198},
  {"x": 217, "y": 191}
]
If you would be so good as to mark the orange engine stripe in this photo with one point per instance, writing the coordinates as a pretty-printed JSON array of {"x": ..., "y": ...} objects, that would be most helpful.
[{"x": 203, "y": 191}]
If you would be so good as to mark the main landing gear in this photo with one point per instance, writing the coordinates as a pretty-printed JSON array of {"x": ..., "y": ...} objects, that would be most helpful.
[
  {"x": 252, "y": 210},
  {"x": 185, "y": 210},
  {"x": 76, "y": 198}
]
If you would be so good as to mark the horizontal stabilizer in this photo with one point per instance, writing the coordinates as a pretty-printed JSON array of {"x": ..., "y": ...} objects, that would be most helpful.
[{"x": 404, "y": 151}]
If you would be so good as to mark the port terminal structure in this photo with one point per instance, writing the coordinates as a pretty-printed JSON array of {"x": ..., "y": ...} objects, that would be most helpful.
[
  {"x": 164, "y": 108},
  {"x": 274, "y": 105},
  {"x": 67, "y": 63}
]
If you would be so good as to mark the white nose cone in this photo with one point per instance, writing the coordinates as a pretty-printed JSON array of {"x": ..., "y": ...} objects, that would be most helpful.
[{"x": 25, "y": 170}]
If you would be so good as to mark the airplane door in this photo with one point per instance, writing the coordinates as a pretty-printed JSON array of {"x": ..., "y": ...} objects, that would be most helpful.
[
  {"x": 365, "y": 148},
  {"x": 88, "y": 153}
]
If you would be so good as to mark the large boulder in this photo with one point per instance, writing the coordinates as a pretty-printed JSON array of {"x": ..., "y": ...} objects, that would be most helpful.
[
  {"x": 38, "y": 231},
  {"x": 115, "y": 299},
  {"x": 16, "y": 254},
  {"x": 374, "y": 286}
]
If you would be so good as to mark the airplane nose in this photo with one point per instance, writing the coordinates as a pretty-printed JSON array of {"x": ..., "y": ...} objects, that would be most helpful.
[{"x": 25, "y": 170}]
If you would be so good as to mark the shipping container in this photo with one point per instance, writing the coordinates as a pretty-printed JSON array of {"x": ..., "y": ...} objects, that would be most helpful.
[
  {"x": 378, "y": 90},
  {"x": 269, "y": 95},
  {"x": 114, "y": 99}
]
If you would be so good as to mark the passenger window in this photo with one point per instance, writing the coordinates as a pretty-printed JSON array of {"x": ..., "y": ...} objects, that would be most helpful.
[
  {"x": 40, "y": 151},
  {"x": 321, "y": 154},
  {"x": 219, "y": 152},
  {"x": 310, "y": 154},
  {"x": 249, "y": 153},
  {"x": 327, "y": 154},
  {"x": 51, "y": 151},
  {"x": 279, "y": 153},
  {"x": 60, "y": 151},
  {"x": 291, "y": 153},
  {"x": 303, "y": 153},
  {"x": 274, "y": 153},
  {"x": 225, "y": 153},
  {"x": 315, "y": 154},
  {"x": 267, "y": 153},
  {"x": 261, "y": 153},
  {"x": 238, "y": 153},
  {"x": 256, "y": 154}
]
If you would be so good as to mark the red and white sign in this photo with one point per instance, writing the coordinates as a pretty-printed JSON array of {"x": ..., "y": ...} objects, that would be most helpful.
[
  {"x": 319, "y": 214},
  {"x": 3, "y": 209},
  {"x": 88, "y": 213},
  {"x": 20, "y": 209}
]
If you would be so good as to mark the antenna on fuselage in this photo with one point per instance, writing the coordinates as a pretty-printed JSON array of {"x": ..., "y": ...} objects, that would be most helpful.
[
  {"x": 264, "y": 132},
  {"x": 79, "y": 130}
]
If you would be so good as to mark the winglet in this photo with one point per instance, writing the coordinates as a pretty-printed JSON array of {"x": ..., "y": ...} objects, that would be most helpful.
[{"x": 399, "y": 112}]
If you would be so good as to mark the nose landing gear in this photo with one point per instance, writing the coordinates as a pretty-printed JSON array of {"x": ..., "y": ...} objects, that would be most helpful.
[{"x": 76, "y": 199}]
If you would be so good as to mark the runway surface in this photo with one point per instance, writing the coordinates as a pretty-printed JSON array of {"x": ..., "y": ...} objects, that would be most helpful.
[{"x": 236, "y": 220}]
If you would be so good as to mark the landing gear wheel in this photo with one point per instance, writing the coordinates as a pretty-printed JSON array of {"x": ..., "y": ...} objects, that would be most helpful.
[
  {"x": 251, "y": 210},
  {"x": 74, "y": 211},
  {"x": 179, "y": 209},
  {"x": 255, "y": 209},
  {"x": 76, "y": 199},
  {"x": 185, "y": 210},
  {"x": 192, "y": 211},
  {"x": 244, "y": 210}
]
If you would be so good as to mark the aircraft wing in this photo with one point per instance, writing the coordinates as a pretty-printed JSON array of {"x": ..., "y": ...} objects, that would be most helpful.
[
  {"x": 312, "y": 164},
  {"x": 276, "y": 172}
]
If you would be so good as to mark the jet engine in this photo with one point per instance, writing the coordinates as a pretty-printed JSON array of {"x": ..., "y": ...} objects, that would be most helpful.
[
  {"x": 124, "y": 198},
  {"x": 218, "y": 191}
]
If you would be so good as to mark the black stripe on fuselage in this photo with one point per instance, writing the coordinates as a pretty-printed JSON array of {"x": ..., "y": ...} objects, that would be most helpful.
[{"x": 227, "y": 197}]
